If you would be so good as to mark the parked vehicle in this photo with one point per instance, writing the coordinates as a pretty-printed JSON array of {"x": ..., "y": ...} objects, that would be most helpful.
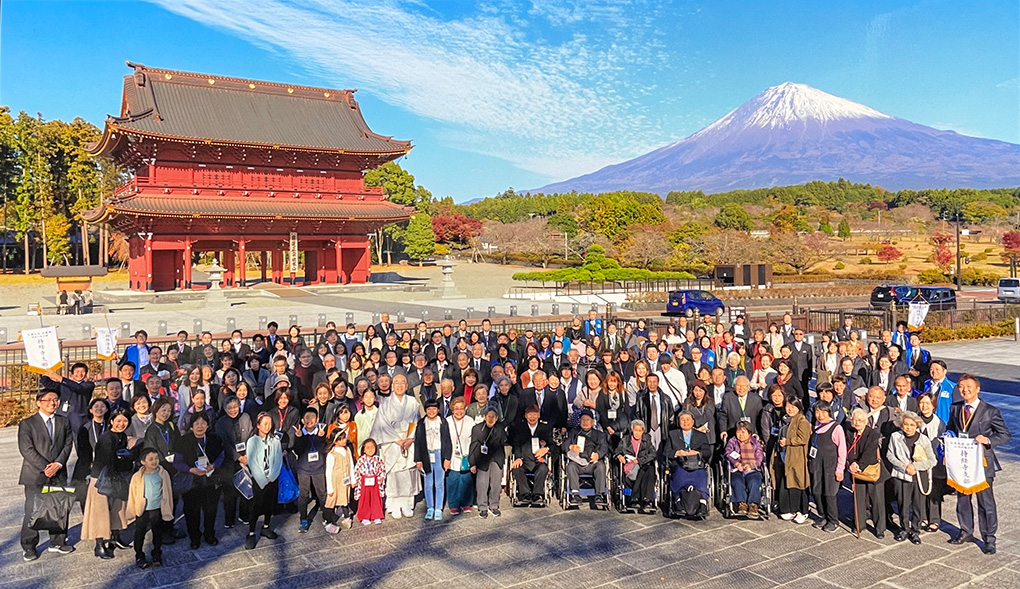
[
  {"x": 886, "y": 294},
  {"x": 1009, "y": 290},
  {"x": 940, "y": 298},
  {"x": 685, "y": 302}
]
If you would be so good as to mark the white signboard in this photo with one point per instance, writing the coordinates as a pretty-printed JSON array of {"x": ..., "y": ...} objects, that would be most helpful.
[
  {"x": 965, "y": 465},
  {"x": 106, "y": 342},
  {"x": 42, "y": 349},
  {"x": 293, "y": 252},
  {"x": 916, "y": 316}
]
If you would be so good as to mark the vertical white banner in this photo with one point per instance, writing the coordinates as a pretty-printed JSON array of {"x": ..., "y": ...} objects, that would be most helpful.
[
  {"x": 42, "y": 349},
  {"x": 106, "y": 342},
  {"x": 915, "y": 318},
  {"x": 293, "y": 252}
]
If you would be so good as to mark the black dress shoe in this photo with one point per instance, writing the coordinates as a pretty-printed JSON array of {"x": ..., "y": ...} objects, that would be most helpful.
[
  {"x": 914, "y": 538},
  {"x": 103, "y": 551},
  {"x": 118, "y": 543},
  {"x": 879, "y": 535},
  {"x": 212, "y": 541},
  {"x": 900, "y": 536},
  {"x": 270, "y": 534},
  {"x": 962, "y": 539},
  {"x": 195, "y": 544},
  {"x": 988, "y": 548}
]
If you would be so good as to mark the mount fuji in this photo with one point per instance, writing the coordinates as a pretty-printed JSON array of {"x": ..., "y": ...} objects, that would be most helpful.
[{"x": 793, "y": 133}]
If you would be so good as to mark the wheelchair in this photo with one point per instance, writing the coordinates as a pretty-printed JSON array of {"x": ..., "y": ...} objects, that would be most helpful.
[
  {"x": 724, "y": 502},
  {"x": 669, "y": 508},
  {"x": 547, "y": 491},
  {"x": 587, "y": 486},
  {"x": 621, "y": 493}
]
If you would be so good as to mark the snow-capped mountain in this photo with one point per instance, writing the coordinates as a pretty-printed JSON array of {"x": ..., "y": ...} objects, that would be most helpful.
[{"x": 792, "y": 133}]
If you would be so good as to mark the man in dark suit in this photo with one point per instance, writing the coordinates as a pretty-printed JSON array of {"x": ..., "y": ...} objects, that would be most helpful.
[
  {"x": 183, "y": 349},
  {"x": 481, "y": 364},
  {"x": 902, "y": 397},
  {"x": 801, "y": 360},
  {"x": 432, "y": 348},
  {"x": 75, "y": 393},
  {"x": 44, "y": 441},
  {"x": 738, "y": 406},
  {"x": 586, "y": 457},
  {"x": 843, "y": 333},
  {"x": 549, "y": 406},
  {"x": 487, "y": 336},
  {"x": 156, "y": 366},
  {"x": 655, "y": 409},
  {"x": 787, "y": 329},
  {"x": 612, "y": 342},
  {"x": 242, "y": 350},
  {"x": 919, "y": 361},
  {"x": 556, "y": 359},
  {"x": 533, "y": 446},
  {"x": 129, "y": 386},
  {"x": 977, "y": 419},
  {"x": 384, "y": 326},
  {"x": 272, "y": 336},
  {"x": 693, "y": 365}
]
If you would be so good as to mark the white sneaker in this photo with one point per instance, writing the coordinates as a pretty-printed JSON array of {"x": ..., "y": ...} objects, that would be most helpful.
[
  {"x": 366, "y": 522},
  {"x": 407, "y": 512},
  {"x": 786, "y": 516},
  {"x": 800, "y": 518},
  {"x": 332, "y": 528},
  {"x": 377, "y": 521},
  {"x": 395, "y": 514}
]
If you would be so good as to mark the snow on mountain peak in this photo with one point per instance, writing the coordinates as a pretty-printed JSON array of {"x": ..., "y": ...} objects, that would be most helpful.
[{"x": 789, "y": 103}]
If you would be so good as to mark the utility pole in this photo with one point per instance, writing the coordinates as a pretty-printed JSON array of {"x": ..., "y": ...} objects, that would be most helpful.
[{"x": 959, "y": 278}]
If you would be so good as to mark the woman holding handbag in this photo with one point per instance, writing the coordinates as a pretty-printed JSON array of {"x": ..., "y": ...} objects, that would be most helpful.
[
  {"x": 107, "y": 514},
  {"x": 912, "y": 458},
  {"x": 265, "y": 459},
  {"x": 934, "y": 429},
  {"x": 864, "y": 464}
]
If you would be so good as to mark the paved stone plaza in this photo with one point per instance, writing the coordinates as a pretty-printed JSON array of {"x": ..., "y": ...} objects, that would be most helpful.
[{"x": 548, "y": 547}]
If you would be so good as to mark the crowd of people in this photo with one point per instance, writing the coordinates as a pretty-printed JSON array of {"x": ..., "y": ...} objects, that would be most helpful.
[{"x": 355, "y": 425}]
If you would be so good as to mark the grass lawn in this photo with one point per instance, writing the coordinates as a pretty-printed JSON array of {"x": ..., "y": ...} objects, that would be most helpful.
[{"x": 916, "y": 253}]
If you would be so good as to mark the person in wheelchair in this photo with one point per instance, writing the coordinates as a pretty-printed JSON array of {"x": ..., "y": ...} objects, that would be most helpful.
[
  {"x": 532, "y": 451},
  {"x": 637, "y": 456},
  {"x": 689, "y": 452},
  {"x": 745, "y": 456},
  {"x": 584, "y": 448}
]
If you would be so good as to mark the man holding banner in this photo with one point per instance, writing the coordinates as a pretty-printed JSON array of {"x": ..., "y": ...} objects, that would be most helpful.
[
  {"x": 982, "y": 423},
  {"x": 75, "y": 393}
]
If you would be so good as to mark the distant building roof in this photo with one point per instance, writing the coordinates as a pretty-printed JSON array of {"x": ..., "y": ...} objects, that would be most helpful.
[
  {"x": 72, "y": 271},
  {"x": 219, "y": 110},
  {"x": 147, "y": 205}
]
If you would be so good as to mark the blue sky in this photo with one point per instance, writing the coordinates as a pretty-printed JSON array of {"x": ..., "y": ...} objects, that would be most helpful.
[{"x": 521, "y": 93}]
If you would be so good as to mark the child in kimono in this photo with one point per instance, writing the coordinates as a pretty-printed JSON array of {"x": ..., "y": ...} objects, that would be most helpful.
[{"x": 369, "y": 484}]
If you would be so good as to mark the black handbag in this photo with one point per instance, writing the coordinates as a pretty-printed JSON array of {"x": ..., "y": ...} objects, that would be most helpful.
[
  {"x": 113, "y": 484},
  {"x": 50, "y": 509},
  {"x": 692, "y": 463}
]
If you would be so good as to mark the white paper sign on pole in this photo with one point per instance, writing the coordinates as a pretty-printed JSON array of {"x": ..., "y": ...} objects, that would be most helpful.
[
  {"x": 106, "y": 342},
  {"x": 915, "y": 319},
  {"x": 965, "y": 465},
  {"x": 42, "y": 349}
]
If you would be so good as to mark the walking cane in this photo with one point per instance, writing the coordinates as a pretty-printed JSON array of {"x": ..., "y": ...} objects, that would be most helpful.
[{"x": 857, "y": 521}]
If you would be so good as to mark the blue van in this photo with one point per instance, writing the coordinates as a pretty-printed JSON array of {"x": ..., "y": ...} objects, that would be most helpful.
[{"x": 684, "y": 302}]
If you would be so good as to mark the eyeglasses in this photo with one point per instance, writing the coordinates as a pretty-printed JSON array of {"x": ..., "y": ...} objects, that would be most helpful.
[{"x": 50, "y": 400}]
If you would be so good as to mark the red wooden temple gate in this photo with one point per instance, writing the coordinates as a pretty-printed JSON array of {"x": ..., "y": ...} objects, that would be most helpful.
[{"x": 237, "y": 167}]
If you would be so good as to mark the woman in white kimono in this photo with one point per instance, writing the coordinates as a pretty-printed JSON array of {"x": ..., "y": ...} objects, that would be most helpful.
[{"x": 394, "y": 432}]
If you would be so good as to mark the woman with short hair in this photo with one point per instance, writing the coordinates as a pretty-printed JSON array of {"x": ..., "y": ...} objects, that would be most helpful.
[
  {"x": 790, "y": 463},
  {"x": 911, "y": 456}
]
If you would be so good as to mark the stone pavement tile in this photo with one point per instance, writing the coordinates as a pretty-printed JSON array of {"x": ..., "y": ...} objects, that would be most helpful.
[
  {"x": 907, "y": 556},
  {"x": 551, "y": 544},
  {"x": 675, "y": 575},
  {"x": 932, "y": 576},
  {"x": 590, "y": 575},
  {"x": 475, "y": 580},
  {"x": 789, "y": 567},
  {"x": 1001, "y": 579},
  {"x": 860, "y": 572},
  {"x": 450, "y": 565},
  {"x": 712, "y": 539},
  {"x": 977, "y": 563},
  {"x": 843, "y": 547},
  {"x": 659, "y": 556},
  {"x": 181, "y": 569},
  {"x": 723, "y": 561},
  {"x": 666, "y": 531},
  {"x": 742, "y": 579},
  {"x": 78, "y": 568},
  {"x": 513, "y": 572},
  {"x": 807, "y": 583},
  {"x": 597, "y": 546},
  {"x": 785, "y": 542}
]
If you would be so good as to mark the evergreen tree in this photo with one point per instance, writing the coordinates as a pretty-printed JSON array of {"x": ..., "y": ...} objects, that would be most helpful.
[
  {"x": 844, "y": 229},
  {"x": 826, "y": 228},
  {"x": 419, "y": 237},
  {"x": 733, "y": 216}
]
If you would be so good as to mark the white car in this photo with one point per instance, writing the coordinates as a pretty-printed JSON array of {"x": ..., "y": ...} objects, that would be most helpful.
[{"x": 1009, "y": 290}]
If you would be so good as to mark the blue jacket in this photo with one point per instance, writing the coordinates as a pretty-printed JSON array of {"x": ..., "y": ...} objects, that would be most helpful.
[
  {"x": 944, "y": 395},
  {"x": 131, "y": 355},
  {"x": 265, "y": 459},
  {"x": 597, "y": 327}
]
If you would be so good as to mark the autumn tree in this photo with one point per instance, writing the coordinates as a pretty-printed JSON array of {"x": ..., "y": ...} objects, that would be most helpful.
[
  {"x": 455, "y": 228},
  {"x": 889, "y": 253},
  {"x": 942, "y": 254},
  {"x": 729, "y": 247},
  {"x": 800, "y": 252},
  {"x": 1011, "y": 253},
  {"x": 646, "y": 245}
]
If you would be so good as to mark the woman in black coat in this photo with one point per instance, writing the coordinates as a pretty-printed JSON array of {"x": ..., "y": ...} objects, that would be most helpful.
[
  {"x": 863, "y": 444},
  {"x": 88, "y": 437},
  {"x": 233, "y": 429},
  {"x": 199, "y": 455},
  {"x": 642, "y": 482}
]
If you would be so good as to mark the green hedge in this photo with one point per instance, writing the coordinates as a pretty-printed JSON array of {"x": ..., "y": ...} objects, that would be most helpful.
[{"x": 587, "y": 274}]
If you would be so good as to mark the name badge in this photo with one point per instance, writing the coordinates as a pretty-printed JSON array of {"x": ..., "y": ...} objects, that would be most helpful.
[
  {"x": 813, "y": 452},
  {"x": 368, "y": 481},
  {"x": 432, "y": 457},
  {"x": 65, "y": 406},
  {"x": 611, "y": 414},
  {"x": 202, "y": 463},
  {"x": 735, "y": 455},
  {"x": 963, "y": 435},
  {"x": 775, "y": 431},
  {"x": 347, "y": 480},
  {"x": 313, "y": 456},
  {"x": 240, "y": 447},
  {"x": 279, "y": 434},
  {"x": 485, "y": 449},
  {"x": 580, "y": 442},
  {"x": 170, "y": 457}
]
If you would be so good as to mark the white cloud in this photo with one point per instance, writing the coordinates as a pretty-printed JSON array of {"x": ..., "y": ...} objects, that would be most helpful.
[{"x": 492, "y": 84}]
